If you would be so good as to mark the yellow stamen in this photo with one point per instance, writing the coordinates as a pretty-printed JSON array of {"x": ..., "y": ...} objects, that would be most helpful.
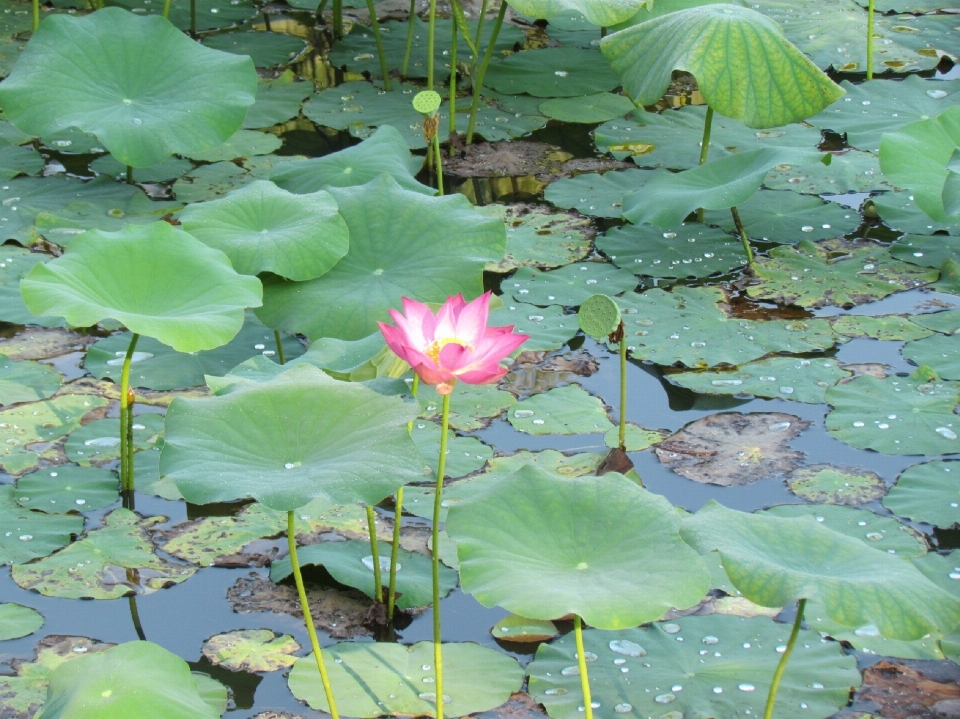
[{"x": 433, "y": 349}]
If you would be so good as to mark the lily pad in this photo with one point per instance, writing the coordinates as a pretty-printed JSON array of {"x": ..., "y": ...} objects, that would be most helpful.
[
  {"x": 599, "y": 107},
  {"x": 594, "y": 194},
  {"x": 251, "y": 650},
  {"x": 470, "y": 404},
  {"x": 539, "y": 236},
  {"x": 947, "y": 322},
  {"x": 801, "y": 380},
  {"x": 691, "y": 250},
  {"x": 513, "y": 628},
  {"x": 788, "y": 218},
  {"x": 899, "y": 211},
  {"x": 68, "y": 489},
  {"x": 16, "y": 263},
  {"x": 188, "y": 295},
  {"x": 731, "y": 448},
  {"x": 396, "y": 237},
  {"x": 562, "y": 410},
  {"x": 637, "y": 438},
  {"x": 597, "y": 12},
  {"x": 775, "y": 561},
  {"x": 926, "y": 250},
  {"x": 241, "y": 144},
  {"x": 85, "y": 72},
  {"x": 884, "y": 327},
  {"x": 942, "y": 570},
  {"x": 32, "y": 534},
  {"x": 833, "y": 272},
  {"x": 18, "y": 621},
  {"x": 464, "y": 454},
  {"x": 927, "y": 493},
  {"x": 210, "y": 14},
  {"x": 375, "y": 678},
  {"x": 99, "y": 441},
  {"x": 111, "y": 562},
  {"x": 731, "y": 654},
  {"x": 829, "y": 484},
  {"x": 553, "y": 72},
  {"x": 266, "y": 49},
  {"x": 298, "y": 437},
  {"x": 26, "y": 381},
  {"x": 277, "y": 101},
  {"x": 530, "y": 545},
  {"x": 351, "y": 563},
  {"x": 941, "y": 353},
  {"x": 848, "y": 171},
  {"x": 896, "y": 415},
  {"x": 549, "y": 327},
  {"x": 569, "y": 285},
  {"x": 169, "y": 169}
]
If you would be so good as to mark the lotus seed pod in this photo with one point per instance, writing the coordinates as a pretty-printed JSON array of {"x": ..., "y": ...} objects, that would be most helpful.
[
  {"x": 599, "y": 316},
  {"x": 426, "y": 102}
]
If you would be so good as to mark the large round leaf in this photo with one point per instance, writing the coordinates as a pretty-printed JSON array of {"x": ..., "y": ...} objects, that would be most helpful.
[
  {"x": 744, "y": 66},
  {"x": 544, "y": 546},
  {"x": 155, "y": 279},
  {"x": 18, "y": 621},
  {"x": 141, "y": 86},
  {"x": 927, "y": 492},
  {"x": 262, "y": 228},
  {"x": 939, "y": 352},
  {"x": 402, "y": 244},
  {"x": 774, "y": 561},
  {"x": 138, "y": 679},
  {"x": 598, "y": 12},
  {"x": 298, "y": 437}
]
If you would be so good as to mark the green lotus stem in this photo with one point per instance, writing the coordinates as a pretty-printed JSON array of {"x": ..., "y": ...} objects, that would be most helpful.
[
  {"x": 743, "y": 235},
  {"x": 781, "y": 667},
  {"x": 375, "y": 552},
  {"x": 430, "y": 31},
  {"x": 476, "y": 44},
  {"x": 308, "y": 618},
  {"x": 870, "y": 40},
  {"x": 280, "y": 355},
  {"x": 453, "y": 83},
  {"x": 705, "y": 148},
  {"x": 126, "y": 481},
  {"x": 338, "y": 19},
  {"x": 129, "y": 175},
  {"x": 436, "y": 154},
  {"x": 375, "y": 25},
  {"x": 582, "y": 661},
  {"x": 36, "y": 15},
  {"x": 478, "y": 78},
  {"x": 623, "y": 387},
  {"x": 166, "y": 9},
  {"x": 406, "y": 52},
  {"x": 435, "y": 557},
  {"x": 131, "y": 398},
  {"x": 397, "y": 521},
  {"x": 193, "y": 18}
]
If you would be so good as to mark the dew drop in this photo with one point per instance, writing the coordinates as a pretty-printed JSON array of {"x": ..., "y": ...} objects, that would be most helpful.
[
  {"x": 664, "y": 698},
  {"x": 746, "y": 687},
  {"x": 628, "y": 648}
]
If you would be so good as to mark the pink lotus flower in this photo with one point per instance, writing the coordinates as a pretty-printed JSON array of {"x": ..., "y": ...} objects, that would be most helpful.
[{"x": 454, "y": 344}]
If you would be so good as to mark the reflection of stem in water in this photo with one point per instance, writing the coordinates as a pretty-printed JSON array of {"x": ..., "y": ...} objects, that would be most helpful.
[
  {"x": 781, "y": 667},
  {"x": 479, "y": 75},
  {"x": 435, "y": 556},
  {"x": 375, "y": 26},
  {"x": 375, "y": 553},
  {"x": 133, "y": 577},
  {"x": 126, "y": 453},
  {"x": 582, "y": 662},
  {"x": 397, "y": 521},
  {"x": 279, "y": 340}
]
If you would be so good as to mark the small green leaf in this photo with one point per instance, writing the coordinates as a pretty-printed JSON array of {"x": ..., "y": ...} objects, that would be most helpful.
[
  {"x": 570, "y": 285},
  {"x": 539, "y": 236},
  {"x": 829, "y": 484},
  {"x": 563, "y": 410},
  {"x": 68, "y": 489},
  {"x": 599, "y": 107},
  {"x": 277, "y": 101},
  {"x": 241, "y": 144},
  {"x": 26, "y": 381},
  {"x": 251, "y": 650},
  {"x": 941, "y": 353},
  {"x": 928, "y": 493},
  {"x": 18, "y": 621},
  {"x": 32, "y": 534},
  {"x": 471, "y": 405},
  {"x": 513, "y": 628}
]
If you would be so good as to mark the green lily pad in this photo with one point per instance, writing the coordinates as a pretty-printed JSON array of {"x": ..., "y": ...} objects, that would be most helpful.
[
  {"x": 590, "y": 109},
  {"x": 266, "y": 49},
  {"x": 597, "y": 12},
  {"x": 395, "y": 237},
  {"x": 147, "y": 479},
  {"x": 926, "y": 250},
  {"x": 656, "y": 321},
  {"x": 691, "y": 250},
  {"x": 848, "y": 171},
  {"x": 788, "y": 218},
  {"x": 384, "y": 152},
  {"x": 797, "y": 379},
  {"x": 188, "y": 295},
  {"x": 40, "y": 423},
  {"x": 108, "y": 563},
  {"x": 16, "y": 263},
  {"x": 32, "y": 534},
  {"x": 68, "y": 489},
  {"x": 713, "y": 42},
  {"x": 211, "y": 14},
  {"x": 375, "y": 678},
  {"x": 351, "y": 563},
  {"x": 829, "y": 484},
  {"x": 80, "y": 72},
  {"x": 15, "y": 160},
  {"x": 156, "y": 366},
  {"x": 549, "y": 327},
  {"x": 637, "y": 438},
  {"x": 298, "y": 437},
  {"x": 18, "y": 621},
  {"x": 896, "y": 415},
  {"x": 775, "y": 561},
  {"x": 562, "y": 410},
  {"x": 949, "y": 281},
  {"x": 530, "y": 544},
  {"x": 470, "y": 404},
  {"x": 241, "y": 144},
  {"x": 569, "y": 285},
  {"x": 169, "y": 169},
  {"x": 26, "y": 381},
  {"x": 943, "y": 571},
  {"x": 947, "y": 322},
  {"x": 927, "y": 493},
  {"x": 885, "y": 327},
  {"x": 520, "y": 629},
  {"x": 594, "y": 194},
  {"x": 121, "y": 682},
  {"x": 833, "y": 272},
  {"x": 99, "y": 441},
  {"x": 464, "y": 454},
  {"x": 941, "y": 353},
  {"x": 539, "y": 236},
  {"x": 277, "y": 101},
  {"x": 731, "y": 654},
  {"x": 553, "y": 72},
  {"x": 899, "y": 211},
  {"x": 263, "y": 228},
  {"x": 251, "y": 650},
  {"x": 208, "y": 182}
]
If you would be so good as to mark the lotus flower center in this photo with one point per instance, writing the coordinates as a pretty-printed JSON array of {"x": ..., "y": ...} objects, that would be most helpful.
[{"x": 433, "y": 349}]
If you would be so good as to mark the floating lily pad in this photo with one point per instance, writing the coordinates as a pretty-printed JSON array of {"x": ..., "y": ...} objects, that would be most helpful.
[
  {"x": 599, "y": 107},
  {"x": 530, "y": 545},
  {"x": 829, "y": 484},
  {"x": 298, "y": 437},
  {"x": 208, "y": 182},
  {"x": 553, "y": 72},
  {"x": 513, "y": 628},
  {"x": 637, "y": 438},
  {"x": 949, "y": 281},
  {"x": 928, "y": 492},
  {"x": 569, "y": 285},
  {"x": 18, "y": 621},
  {"x": 169, "y": 169},
  {"x": 396, "y": 237},
  {"x": 656, "y": 323},
  {"x": 801, "y": 380},
  {"x": 210, "y": 14},
  {"x": 351, "y": 563},
  {"x": 597, "y": 12},
  {"x": 16, "y": 263},
  {"x": 266, "y": 49},
  {"x": 691, "y": 250},
  {"x": 899, "y": 211},
  {"x": 26, "y": 381},
  {"x": 943, "y": 571},
  {"x": 775, "y": 561},
  {"x": 15, "y": 160},
  {"x": 848, "y": 171},
  {"x": 140, "y": 117},
  {"x": 464, "y": 454},
  {"x": 470, "y": 404},
  {"x": 110, "y": 562},
  {"x": 375, "y": 678},
  {"x": 539, "y": 236},
  {"x": 941, "y": 353},
  {"x": 788, "y": 218},
  {"x": 277, "y": 101},
  {"x": 896, "y": 415},
  {"x": 947, "y": 322},
  {"x": 730, "y": 654},
  {"x": 32, "y": 534},
  {"x": 885, "y": 327},
  {"x": 731, "y": 448},
  {"x": 926, "y": 250},
  {"x": 251, "y": 650},
  {"x": 594, "y": 194},
  {"x": 562, "y": 410},
  {"x": 68, "y": 489},
  {"x": 99, "y": 442},
  {"x": 834, "y": 272},
  {"x": 241, "y": 144},
  {"x": 549, "y": 327}
]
